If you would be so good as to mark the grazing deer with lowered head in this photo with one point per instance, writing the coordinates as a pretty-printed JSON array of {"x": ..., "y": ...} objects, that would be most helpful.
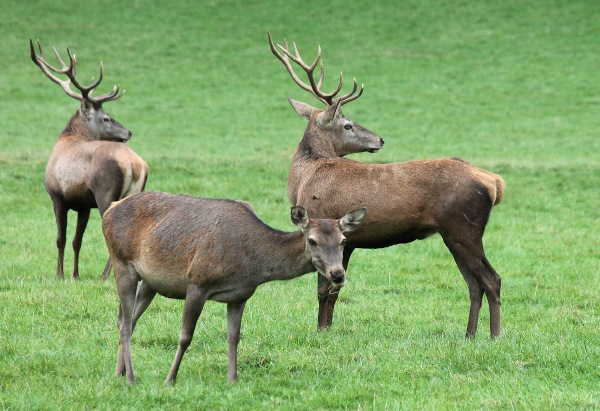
[
  {"x": 407, "y": 201},
  {"x": 89, "y": 167},
  {"x": 201, "y": 249}
]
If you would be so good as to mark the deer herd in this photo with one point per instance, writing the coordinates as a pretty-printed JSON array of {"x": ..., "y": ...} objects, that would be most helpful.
[{"x": 199, "y": 249}]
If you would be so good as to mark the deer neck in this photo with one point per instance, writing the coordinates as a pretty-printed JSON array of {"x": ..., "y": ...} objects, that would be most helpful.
[
  {"x": 314, "y": 147},
  {"x": 77, "y": 126},
  {"x": 288, "y": 257},
  {"x": 316, "y": 143}
]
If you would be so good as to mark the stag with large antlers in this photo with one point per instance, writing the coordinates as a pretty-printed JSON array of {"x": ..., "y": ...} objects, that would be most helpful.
[
  {"x": 407, "y": 201},
  {"x": 89, "y": 166}
]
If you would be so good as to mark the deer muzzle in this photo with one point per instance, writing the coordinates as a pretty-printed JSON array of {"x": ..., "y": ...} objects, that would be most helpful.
[{"x": 338, "y": 276}]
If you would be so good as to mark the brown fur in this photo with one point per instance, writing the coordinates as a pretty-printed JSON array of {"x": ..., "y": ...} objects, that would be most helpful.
[
  {"x": 89, "y": 166},
  {"x": 201, "y": 249},
  {"x": 407, "y": 201},
  {"x": 83, "y": 173}
]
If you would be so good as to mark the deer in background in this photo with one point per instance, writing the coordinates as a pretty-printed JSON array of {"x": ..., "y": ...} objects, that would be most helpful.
[
  {"x": 407, "y": 201},
  {"x": 89, "y": 166},
  {"x": 201, "y": 249}
]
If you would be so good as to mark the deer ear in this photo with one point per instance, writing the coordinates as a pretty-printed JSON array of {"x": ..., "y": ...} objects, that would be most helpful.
[
  {"x": 303, "y": 109},
  {"x": 299, "y": 217},
  {"x": 329, "y": 114},
  {"x": 353, "y": 220}
]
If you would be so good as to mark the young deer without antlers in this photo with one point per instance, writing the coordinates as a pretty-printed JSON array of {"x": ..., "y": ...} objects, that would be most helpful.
[
  {"x": 89, "y": 167},
  {"x": 201, "y": 249},
  {"x": 407, "y": 201}
]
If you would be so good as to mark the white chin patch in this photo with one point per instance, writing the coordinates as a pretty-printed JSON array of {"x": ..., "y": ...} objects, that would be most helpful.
[{"x": 338, "y": 285}]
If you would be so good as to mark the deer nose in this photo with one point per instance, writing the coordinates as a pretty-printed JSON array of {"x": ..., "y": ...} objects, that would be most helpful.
[
  {"x": 130, "y": 134},
  {"x": 381, "y": 141},
  {"x": 337, "y": 276}
]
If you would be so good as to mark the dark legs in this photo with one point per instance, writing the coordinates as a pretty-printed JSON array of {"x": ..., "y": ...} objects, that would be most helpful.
[
  {"x": 143, "y": 298},
  {"x": 481, "y": 279},
  {"x": 82, "y": 219},
  {"x": 126, "y": 287},
  {"x": 194, "y": 302},
  {"x": 106, "y": 271},
  {"x": 234, "y": 322},
  {"x": 493, "y": 297},
  {"x": 104, "y": 203},
  {"x": 328, "y": 295},
  {"x": 60, "y": 213}
]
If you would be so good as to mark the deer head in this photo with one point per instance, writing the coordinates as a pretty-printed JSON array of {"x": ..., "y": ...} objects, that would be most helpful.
[
  {"x": 325, "y": 241},
  {"x": 345, "y": 135},
  {"x": 97, "y": 123}
]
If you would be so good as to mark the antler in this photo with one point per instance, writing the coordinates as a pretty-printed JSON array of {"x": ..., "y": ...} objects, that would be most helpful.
[
  {"x": 70, "y": 71},
  {"x": 314, "y": 87}
]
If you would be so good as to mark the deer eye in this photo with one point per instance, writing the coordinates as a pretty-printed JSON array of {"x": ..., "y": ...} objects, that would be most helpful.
[
  {"x": 348, "y": 126},
  {"x": 312, "y": 242},
  {"x": 106, "y": 119},
  {"x": 343, "y": 243}
]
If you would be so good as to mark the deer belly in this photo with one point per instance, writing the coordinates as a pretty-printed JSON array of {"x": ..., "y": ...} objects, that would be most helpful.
[{"x": 165, "y": 281}]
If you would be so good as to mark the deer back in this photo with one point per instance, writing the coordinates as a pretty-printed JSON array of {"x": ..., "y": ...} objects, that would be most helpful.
[{"x": 220, "y": 245}]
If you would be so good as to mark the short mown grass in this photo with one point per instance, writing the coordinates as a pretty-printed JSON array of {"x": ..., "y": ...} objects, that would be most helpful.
[{"x": 510, "y": 86}]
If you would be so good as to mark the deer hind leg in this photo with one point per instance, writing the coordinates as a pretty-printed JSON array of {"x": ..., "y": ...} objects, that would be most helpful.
[
  {"x": 481, "y": 278},
  {"x": 60, "y": 214},
  {"x": 495, "y": 283},
  {"x": 194, "y": 302},
  {"x": 144, "y": 296},
  {"x": 328, "y": 296},
  {"x": 234, "y": 323},
  {"x": 82, "y": 219},
  {"x": 126, "y": 279},
  {"x": 104, "y": 198}
]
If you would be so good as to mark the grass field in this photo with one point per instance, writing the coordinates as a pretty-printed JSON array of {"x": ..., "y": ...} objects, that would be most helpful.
[{"x": 513, "y": 87}]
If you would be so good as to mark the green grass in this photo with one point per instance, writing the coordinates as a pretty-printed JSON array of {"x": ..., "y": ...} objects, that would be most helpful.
[{"x": 510, "y": 86}]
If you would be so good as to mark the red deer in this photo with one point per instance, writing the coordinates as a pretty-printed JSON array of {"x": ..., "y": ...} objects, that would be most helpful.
[
  {"x": 200, "y": 249},
  {"x": 407, "y": 201},
  {"x": 89, "y": 167}
]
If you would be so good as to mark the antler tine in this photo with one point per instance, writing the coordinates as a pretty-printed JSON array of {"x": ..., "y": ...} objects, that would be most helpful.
[
  {"x": 286, "y": 62},
  {"x": 70, "y": 71},
  {"x": 354, "y": 86},
  {"x": 348, "y": 97},
  {"x": 110, "y": 96},
  {"x": 64, "y": 68},
  {"x": 89, "y": 90},
  {"x": 322, "y": 74},
  {"x": 315, "y": 86},
  {"x": 71, "y": 74},
  {"x": 44, "y": 66}
]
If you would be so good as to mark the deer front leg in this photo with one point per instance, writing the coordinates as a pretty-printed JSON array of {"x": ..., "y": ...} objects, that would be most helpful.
[
  {"x": 326, "y": 302},
  {"x": 82, "y": 219},
  {"x": 328, "y": 296},
  {"x": 194, "y": 302},
  {"x": 234, "y": 323}
]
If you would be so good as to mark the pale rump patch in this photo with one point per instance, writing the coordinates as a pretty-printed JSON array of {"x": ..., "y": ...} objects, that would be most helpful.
[{"x": 493, "y": 182}]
